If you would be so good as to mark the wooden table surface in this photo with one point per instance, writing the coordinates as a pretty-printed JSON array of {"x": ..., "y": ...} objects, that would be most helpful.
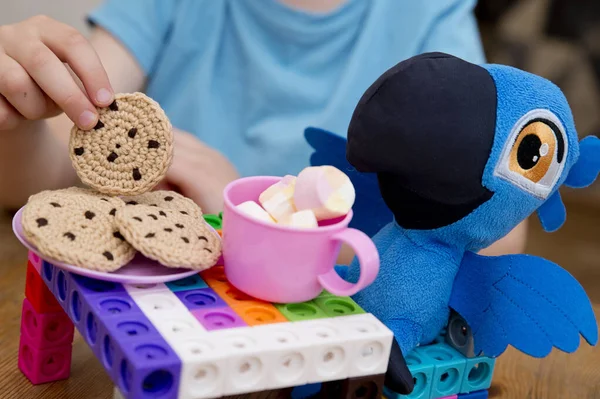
[{"x": 559, "y": 376}]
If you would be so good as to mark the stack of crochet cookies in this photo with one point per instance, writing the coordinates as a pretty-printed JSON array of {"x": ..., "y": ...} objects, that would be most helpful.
[{"x": 102, "y": 228}]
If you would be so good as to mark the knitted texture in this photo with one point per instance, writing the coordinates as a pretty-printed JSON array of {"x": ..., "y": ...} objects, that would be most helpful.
[
  {"x": 130, "y": 149},
  {"x": 169, "y": 237},
  {"x": 77, "y": 226},
  {"x": 166, "y": 200}
]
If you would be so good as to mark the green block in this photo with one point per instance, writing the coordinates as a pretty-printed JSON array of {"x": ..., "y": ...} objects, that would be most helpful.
[
  {"x": 325, "y": 293},
  {"x": 338, "y": 306},
  {"x": 300, "y": 311},
  {"x": 215, "y": 221}
]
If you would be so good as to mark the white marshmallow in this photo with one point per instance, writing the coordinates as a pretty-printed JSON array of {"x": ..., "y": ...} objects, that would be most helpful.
[
  {"x": 326, "y": 190},
  {"x": 278, "y": 200},
  {"x": 301, "y": 219},
  {"x": 254, "y": 210}
]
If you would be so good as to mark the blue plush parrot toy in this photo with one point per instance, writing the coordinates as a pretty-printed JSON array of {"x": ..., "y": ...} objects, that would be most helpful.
[{"x": 448, "y": 157}]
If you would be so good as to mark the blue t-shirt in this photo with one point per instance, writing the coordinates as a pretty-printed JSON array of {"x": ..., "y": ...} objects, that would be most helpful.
[{"x": 248, "y": 76}]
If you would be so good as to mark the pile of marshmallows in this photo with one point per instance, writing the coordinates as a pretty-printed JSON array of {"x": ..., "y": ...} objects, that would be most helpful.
[{"x": 318, "y": 193}]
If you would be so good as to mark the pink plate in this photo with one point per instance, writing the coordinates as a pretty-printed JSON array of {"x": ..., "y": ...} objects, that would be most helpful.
[{"x": 140, "y": 270}]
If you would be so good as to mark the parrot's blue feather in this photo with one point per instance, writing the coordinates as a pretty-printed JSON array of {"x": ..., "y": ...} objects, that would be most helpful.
[
  {"x": 587, "y": 167},
  {"x": 370, "y": 211},
  {"x": 524, "y": 301},
  {"x": 552, "y": 213}
]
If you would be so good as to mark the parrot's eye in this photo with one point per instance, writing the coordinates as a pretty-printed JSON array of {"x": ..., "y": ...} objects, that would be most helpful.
[{"x": 534, "y": 155}]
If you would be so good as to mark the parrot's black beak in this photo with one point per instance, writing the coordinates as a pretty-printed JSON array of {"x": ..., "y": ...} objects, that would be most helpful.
[{"x": 427, "y": 127}]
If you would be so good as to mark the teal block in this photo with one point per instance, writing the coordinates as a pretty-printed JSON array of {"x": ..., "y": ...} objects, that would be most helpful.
[
  {"x": 478, "y": 374},
  {"x": 189, "y": 283},
  {"x": 422, "y": 370},
  {"x": 449, "y": 369}
]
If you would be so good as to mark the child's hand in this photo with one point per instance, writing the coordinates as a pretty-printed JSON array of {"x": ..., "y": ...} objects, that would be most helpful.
[
  {"x": 199, "y": 172},
  {"x": 34, "y": 82}
]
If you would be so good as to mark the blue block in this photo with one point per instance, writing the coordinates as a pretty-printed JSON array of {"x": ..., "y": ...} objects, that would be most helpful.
[
  {"x": 306, "y": 391},
  {"x": 478, "y": 374},
  {"x": 422, "y": 370},
  {"x": 449, "y": 368},
  {"x": 474, "y": 395},
  {"x": 189, "y": 283},
  {"x": 92, "y": 287},
  {"x": 203, "y": 298}
]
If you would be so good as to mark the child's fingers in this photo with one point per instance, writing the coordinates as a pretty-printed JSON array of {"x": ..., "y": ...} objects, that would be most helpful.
[
  {"x": 9, "y": 117},
  {"x": 74, "y": 49},
  {"x": 55, "y": 80},
  {"x": 20, "y": 90}
]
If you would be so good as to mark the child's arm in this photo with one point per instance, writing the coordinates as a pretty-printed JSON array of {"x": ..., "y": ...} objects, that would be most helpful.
[{"x": 34, "y": 85}]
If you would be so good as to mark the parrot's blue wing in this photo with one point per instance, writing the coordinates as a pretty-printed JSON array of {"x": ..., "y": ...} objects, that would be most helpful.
[
  {"x": 524, "y": 301},
  {"x": 370, "y": 211},
  {"x": 552, "y": 213}
]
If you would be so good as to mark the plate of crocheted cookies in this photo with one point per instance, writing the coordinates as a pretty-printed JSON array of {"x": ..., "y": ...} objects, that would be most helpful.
[{"x": 117, "y": 228}]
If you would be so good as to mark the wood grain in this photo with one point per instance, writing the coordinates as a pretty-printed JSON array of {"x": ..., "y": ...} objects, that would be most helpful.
[{"x": 559, "y": 376}]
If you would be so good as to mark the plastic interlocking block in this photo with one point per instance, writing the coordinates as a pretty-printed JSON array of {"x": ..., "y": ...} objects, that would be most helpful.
[
  {"x": 338, "y": 306},
  {"x": 478, "y": 374},
  {"x": 189, "y": 283},
  {"x": 450, "y": 397},
  {"x": 422, "y": 371},
  {"x": 214, "y": 276},
  {"x": 45, "y": 330},
  {"x": 369, "y": 387},
  {"x": 483, "y": 394},
  {"x": 218, "y": 318},
  {"x": 44, "y": 365},
  {"x": 216, "y": 221},
  {"x": 200, "y": 298},
  {"x": 234, "y": 297},
  {"x": 40, "y": 297},
  {"x": 449, "y": 368},
  {"x": 259, "y": 314},
  {"x": 301, "y": 311},
  {"x": 35, "y": 261}
]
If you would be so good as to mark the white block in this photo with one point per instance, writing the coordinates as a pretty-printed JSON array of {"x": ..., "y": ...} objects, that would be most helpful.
[
  {"x": 157, "y": 305},
  {"x": 371, "y": 343},
  {"x": 146, "y": 288},
  {"x": 254, "y": 210}
]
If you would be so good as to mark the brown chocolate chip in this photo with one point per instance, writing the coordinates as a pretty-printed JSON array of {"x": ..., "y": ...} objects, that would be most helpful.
[
  {"x": 132, "y": 132},
  {"x": 131, "y": 203},
  {"x": 104, "y": 199},
  {"x": 70, "y": 236},
  {"x": 153, "y": 144},
  {"x": 161, "y": 213},
  {"x": 117, "y": 234},
  {"x": 168, "y": 198},
  {"x": 118, "y": 146},
  {"x": 153, "y": 205},
  {"x": 206, "y": 249},
  {"x": 111, "y": 157},
  {"x": 113, "y": 106},
  {"x": 185, "y": 239},
  {"x": 113, "y": 212},
  {"x": 202, "y": 238},
  {"x": 41, "y": 222},
  {"x": 137, "y": 218},
  {"x": 78, "y": 151},
  {"x": 179, "y": 226},
  {"x": 99, "y": 125},
  {"x": 89, "y": 215},
  {"x": 136, "y": 174},
  {"x": 55, "y": 204},
  {"x": 184, "y": 212},
  {"x": 153, "y": 216},
  {"x": 150, "y": 235},
  {"x": 168, "y": 229},
  {"x": 108, "y": 255}
]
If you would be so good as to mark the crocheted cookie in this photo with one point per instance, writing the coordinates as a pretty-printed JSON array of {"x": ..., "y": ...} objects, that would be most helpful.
[
  {"x": 77, "y": 226},
  {"x": 129, "y": 150},
  {"x": 169, "y": 237},
  {"x": 166, "y": 200}
]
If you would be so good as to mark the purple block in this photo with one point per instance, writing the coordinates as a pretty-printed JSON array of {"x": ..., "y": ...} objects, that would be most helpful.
[
  {"x": 114, "y": 305},
  {"x": 203, "y": 298},
  {"x": 92, "y": 287},
  {"x": 218, "y": 318}
]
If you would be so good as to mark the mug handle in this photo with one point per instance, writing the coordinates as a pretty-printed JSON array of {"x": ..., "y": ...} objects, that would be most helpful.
[{"x": 368, "y": 259}]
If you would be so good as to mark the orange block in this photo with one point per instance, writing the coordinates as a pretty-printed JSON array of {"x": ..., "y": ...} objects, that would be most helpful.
[
  {"x": 214, "y": 276},
  {"x": 234, "y": 297},
  {"x": 257, "y": 314}
]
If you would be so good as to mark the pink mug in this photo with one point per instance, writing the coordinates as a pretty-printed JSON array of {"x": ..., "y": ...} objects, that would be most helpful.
[{"x": 285, "y": 264}]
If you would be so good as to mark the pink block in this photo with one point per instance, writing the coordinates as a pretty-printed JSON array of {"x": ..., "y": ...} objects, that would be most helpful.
[
  {"x": 218, "y": 318},
  {"x": 35, "y": 260},
  {"x": 46, "y": 330},
  {"x": 450, "y": 397},
  {"x": 44, "y": 365}
]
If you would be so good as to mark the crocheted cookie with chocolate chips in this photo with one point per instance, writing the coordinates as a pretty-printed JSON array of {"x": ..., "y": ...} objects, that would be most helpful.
[
  {"x": 77, "y": 226},
  {"x": 166, "y": 200},
  {"x": 129, "y": 150},
  {"x": 169, "y": 237}
]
